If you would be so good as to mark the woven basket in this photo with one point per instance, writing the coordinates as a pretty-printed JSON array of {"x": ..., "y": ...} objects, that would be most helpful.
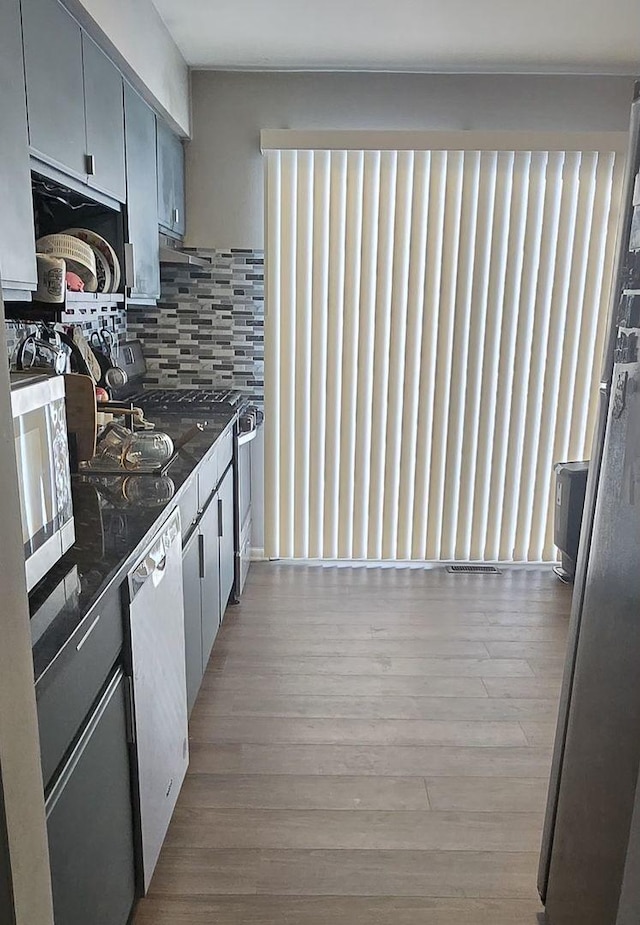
[{"x": 78, "y": 255}]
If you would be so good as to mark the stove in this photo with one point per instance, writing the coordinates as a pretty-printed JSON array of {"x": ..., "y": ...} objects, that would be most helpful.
[
  {"x": 179, "y": 401},
  {"x": 188, "y": 402}
]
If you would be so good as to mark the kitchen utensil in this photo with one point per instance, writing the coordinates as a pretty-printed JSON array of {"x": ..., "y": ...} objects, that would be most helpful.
[
  {"x": 34, "y": 353},
  {"x": 77, "y": 361},
  {"x": 111, "y": 447},
  {"x": 81, "y": 416},
  {"x": 184, "y": 438},
  {"x": 103, "y": 271},
  {"x": 137, "y": 414},
  {"x": 82, "y": 344},
  {"x": 51, "y": 279},
  {"x": 147, "y": 450},
  {"x": 78, "y": 256},
  {"x": 101, "y": 245},
  {"x": 102, "y": 345}
]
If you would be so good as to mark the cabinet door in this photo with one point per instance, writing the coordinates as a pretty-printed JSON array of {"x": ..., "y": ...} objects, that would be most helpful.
[
  {"x": 55, "y": 92},
  {"x": 89, "y": 821},
  {"x": 191, "y": 571},
  {"x": 170, "y": 180},
  {"x": 17, "y": 250},
  {"x": 142, "y": 206},
  {"x": 210, "y": 586},
  {"x": 179, "y": 217},
  {"x": 104, "y": 109},
  {"x": 227, "y": 545}
]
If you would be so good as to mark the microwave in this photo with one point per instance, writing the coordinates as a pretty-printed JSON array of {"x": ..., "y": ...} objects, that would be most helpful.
[{"x": 44, "y": 476}]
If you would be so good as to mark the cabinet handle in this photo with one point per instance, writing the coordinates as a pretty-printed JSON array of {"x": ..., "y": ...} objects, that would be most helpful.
[
  {"x": 220, "y": 526},
  {"x": 201, "y": 554},
  {"x": 130, "y": 266},
  {"x": 87, "y": 634},
  {"x": 130, "y": 718},
  {"x": 176, "y": 216},
  {"x": 90, "y": 164}
]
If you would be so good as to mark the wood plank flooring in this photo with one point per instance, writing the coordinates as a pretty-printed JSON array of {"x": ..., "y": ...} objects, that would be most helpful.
[{"x": 369, "y": 746}]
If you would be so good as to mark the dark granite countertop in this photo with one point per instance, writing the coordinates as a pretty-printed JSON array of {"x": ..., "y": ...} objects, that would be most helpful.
[{"x": 110, "y": 528}]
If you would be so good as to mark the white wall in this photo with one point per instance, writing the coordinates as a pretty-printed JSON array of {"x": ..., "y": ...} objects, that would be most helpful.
[
  {"x": 224, "y": 165},
  {"x": 141, "y": 45}
]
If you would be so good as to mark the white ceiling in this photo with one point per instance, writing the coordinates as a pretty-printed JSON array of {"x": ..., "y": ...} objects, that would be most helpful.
[{"x": 513, "y": 36}]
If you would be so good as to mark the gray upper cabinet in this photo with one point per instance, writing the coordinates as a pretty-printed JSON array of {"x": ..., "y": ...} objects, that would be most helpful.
[
  {"x": 104, "y": 111},
  {"x": 170, "y": 181},
  {"x": 17, "y": 252},
  {"x": 55, "y": 95},
  {"x": 74, "y": 99},
  {"x": 143, "y": 267}
]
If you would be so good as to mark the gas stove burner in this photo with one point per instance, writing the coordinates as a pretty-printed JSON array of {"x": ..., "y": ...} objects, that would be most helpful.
[
  {"x": 187, "y": 400},
  {"x": 190, "y": 396}
]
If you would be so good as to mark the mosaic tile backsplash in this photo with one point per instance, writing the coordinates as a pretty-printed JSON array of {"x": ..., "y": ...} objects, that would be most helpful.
[{"x": 208, "y": 328}]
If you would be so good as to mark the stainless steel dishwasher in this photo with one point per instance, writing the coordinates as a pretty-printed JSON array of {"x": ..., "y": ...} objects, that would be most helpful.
[{"x": 159, "y": 685}]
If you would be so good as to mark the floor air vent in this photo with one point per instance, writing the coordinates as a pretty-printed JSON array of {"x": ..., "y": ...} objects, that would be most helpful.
[{"x": 474, "y": 569}]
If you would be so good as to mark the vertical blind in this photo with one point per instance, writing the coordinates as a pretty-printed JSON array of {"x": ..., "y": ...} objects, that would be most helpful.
[{"x": 434, "y": 331}]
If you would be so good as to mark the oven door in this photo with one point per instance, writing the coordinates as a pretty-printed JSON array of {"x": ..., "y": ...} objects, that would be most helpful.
[{"x": 44, "y": 479}]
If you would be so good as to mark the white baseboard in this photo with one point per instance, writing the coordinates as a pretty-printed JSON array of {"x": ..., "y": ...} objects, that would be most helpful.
[{"x": 257, "y": 555}]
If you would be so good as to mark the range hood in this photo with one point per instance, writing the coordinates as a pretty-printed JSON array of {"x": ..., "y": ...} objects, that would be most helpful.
[
  {"x": 170, "y": 253},
  {"x": 183, "y": 258}
]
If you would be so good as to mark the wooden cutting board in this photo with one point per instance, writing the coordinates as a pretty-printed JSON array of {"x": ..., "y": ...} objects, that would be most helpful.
[{"x": 81, "y": 415}]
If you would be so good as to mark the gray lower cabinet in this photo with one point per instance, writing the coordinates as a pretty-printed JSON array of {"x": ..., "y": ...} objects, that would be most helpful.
[
  {"x": 192, "y": 616},
  {"x": 208, "y": 563},
  {"x": 143, "y": 266},
  {"x": 52, "y": 42},
  {"x": 90, "y": 822},
  {"x": 227, "y": 546},
  {"x": 170, "y": 181},
  {"x": 104, "y": 109},
  {"x": 66, "y": 692},
  {"x": 17, "y": 253},
  {"x": 210, "y": 584},
  {"x": 201, "y": 584}
]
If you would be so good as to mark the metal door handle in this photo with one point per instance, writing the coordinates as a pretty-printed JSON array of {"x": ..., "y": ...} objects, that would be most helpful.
[
  {"x": 130, "y": 714},
  {"x": 220, "y": 526},
  {"x": 201, "y": 554},
  {"x": 90, "y": 164},
  {"x": 176, "y": 216}
]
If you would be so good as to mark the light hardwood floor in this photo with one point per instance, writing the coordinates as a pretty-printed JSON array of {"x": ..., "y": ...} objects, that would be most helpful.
[{"x": 369, "y": 747}]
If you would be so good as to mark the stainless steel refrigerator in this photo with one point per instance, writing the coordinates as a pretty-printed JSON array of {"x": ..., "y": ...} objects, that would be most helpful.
[{"x": 590, "y": 826}]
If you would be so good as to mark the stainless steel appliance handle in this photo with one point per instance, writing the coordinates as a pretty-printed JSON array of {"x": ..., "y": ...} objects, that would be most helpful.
[
  {"x": 155, "y": 559},
  {"x": 247, "y": 437}
]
